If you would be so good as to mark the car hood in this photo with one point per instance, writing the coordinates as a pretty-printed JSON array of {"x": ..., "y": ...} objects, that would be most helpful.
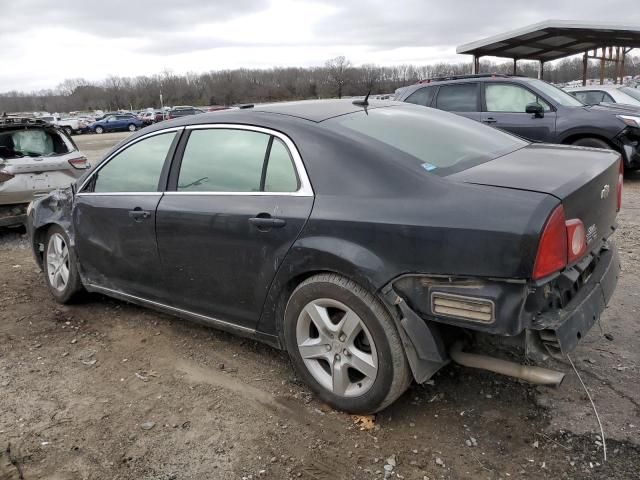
[{"x": 616, "y": 109}]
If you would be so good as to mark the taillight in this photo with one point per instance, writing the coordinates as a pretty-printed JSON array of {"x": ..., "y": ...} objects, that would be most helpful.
[
  {"x": 619, "y": 185},
  {"x": 552, "y": 249},
  {"x": 562, "y": 242},
  {"x": 5, "y": 176},
  {"x": 577, "y": 239},
  {"x": 79, "y": 163}
]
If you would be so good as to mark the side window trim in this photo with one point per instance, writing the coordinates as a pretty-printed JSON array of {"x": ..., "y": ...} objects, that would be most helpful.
[
  {"x": 168, "y": 160},
  {"x": 305, "y": 189},
  {"x": 484, "y": 101}
]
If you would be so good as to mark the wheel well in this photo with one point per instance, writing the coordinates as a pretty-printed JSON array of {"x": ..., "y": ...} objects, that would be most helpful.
[
  {"x": 39, "y": 237},
  {"x": 572, "y": 138}
]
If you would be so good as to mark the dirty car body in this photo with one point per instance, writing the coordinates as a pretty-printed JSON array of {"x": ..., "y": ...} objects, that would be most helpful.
[
  {"x": 453, "y": 227},
  {"x": 35, "y": 158}
]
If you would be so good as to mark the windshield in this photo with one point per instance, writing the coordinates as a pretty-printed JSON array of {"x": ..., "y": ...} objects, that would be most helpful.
[
  {"x": 632, "y": 92},
  {"x": 559, "y": 96},
  {"x": 441, "y": 142}
]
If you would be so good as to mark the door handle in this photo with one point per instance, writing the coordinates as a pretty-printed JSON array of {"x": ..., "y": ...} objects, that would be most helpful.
[
  {"x": 489, "y": 120},
  {"x": 138, "y": 214},
  {"x": 264, "y": 222}
]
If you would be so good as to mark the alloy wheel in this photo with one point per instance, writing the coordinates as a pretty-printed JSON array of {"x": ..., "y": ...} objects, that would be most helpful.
[
  {"x": 336, "y": 347},
  {"x": 58, "y": 262}
]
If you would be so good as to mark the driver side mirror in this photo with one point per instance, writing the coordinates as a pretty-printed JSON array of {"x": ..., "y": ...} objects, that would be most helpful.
[{"x": 535, "y": 108}]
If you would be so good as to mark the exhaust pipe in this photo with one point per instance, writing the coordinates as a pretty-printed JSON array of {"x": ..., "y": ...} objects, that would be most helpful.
[{"x": 537, "y": 375}]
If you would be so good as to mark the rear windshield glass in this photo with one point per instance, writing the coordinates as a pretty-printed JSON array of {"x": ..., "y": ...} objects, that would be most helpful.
[
  {"x": 441, "y": 142},
  {"x": 31, "y": 143}
]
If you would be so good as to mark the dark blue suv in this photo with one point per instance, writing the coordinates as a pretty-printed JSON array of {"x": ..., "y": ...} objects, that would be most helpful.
[
  {"x": 116, "y": 123},
  {"x": 533, "y": 109}
]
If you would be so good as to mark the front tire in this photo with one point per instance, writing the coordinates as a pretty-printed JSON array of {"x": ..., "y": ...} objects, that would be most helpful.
[
  {"x": 60, "y": 268},
  {"x": 591, "y": 142},
  {"x": 344, "y": 344}
]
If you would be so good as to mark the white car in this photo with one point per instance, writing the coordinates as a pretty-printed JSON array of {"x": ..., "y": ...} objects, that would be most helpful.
[
  {"x": 35, "y": 158},
  {"x": 70, "y": 125},
  {"x": 595, "y": 94}
]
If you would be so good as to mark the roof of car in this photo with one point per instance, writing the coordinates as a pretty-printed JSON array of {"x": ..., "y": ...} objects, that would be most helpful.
[{"x": 317, "y": 110}]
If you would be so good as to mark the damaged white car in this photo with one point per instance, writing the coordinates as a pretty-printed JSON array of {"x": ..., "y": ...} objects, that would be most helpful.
[{"x": 35, "y": 158}]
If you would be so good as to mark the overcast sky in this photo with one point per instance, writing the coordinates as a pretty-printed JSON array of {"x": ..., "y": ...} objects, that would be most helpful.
[{"x": 43, "y": 42}]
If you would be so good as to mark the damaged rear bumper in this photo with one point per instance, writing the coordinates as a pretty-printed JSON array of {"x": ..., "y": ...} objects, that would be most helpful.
[
  {"x": 562, "y": 329},
  {"x": 538, "y": 319}
]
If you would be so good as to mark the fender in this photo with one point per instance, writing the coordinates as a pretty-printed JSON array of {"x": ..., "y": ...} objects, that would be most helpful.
[
  {"x": 53, "y": 209},
  {"x": 316, "y": 254}
]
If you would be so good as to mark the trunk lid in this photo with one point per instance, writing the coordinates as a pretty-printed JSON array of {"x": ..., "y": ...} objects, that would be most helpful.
[{"x": 583, "y": 179}]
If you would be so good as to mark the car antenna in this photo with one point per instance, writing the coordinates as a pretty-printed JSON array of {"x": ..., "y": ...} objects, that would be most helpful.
[{"x": 365, "y": 102}]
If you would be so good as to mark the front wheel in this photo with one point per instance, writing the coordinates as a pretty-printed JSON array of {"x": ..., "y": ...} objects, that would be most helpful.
[
  {"x": 344, "y": 344},
  {"x": 60, "y": 266},
  {"x": 132, "y": 127}
]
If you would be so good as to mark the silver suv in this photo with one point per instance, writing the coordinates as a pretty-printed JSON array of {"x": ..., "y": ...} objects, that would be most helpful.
[{"x": 36, "y": 157}]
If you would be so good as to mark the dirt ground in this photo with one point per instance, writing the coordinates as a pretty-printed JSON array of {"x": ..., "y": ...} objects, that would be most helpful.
[{"x": 106, "y": 390}]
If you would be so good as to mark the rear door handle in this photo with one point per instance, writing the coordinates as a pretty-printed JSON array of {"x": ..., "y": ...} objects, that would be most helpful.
[
  {"x": 138, "y": 214},
  {"x": 266, "y": 222}
]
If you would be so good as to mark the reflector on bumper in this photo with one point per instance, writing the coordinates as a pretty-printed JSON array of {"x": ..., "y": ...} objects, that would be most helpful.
[{"x": 460, "y": 306}]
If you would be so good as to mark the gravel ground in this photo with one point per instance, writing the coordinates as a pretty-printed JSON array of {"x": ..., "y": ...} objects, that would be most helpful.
[{"x": 106, "y": 390}]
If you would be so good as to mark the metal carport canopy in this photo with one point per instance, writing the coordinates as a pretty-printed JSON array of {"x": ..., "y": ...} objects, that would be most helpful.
[{"x": 553, "y": 39}]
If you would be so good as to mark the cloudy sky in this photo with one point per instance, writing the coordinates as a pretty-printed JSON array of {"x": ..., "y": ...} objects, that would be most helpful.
[{"x": 43, "y": 42}]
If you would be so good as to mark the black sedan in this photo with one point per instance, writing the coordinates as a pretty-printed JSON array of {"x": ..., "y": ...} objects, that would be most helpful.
[{"x": 365, "y": 239}]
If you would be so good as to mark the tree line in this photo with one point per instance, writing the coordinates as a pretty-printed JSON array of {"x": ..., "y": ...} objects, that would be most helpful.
[{"x": 336, "y": 78}]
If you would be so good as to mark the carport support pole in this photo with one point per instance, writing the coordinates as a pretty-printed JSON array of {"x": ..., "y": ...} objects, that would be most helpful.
[
  {"x": 515, "y": 65},
  {"x": 541, "y": 70},
  {"x": 475, "y": 68},
  {"x": 585, "y": 64},
  {"x": 602, "y": 64}
]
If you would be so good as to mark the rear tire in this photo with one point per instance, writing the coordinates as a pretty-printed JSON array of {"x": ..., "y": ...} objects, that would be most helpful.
[
  {"x": 99, "y": 130},
  {"x": 591, "y": 142},
  {"x": 132, "y": 127},
  {"x": 68, "y": 130},
  {"x": 60, "y": 268},
  {"x": 353, "y": 355}
]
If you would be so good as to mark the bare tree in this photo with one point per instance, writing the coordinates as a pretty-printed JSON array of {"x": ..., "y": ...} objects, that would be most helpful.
[{"x": 337, "y": 69}]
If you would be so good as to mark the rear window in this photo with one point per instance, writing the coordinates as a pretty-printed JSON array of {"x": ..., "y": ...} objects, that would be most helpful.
[
  {"x": 32, "y": 143},
  {"x": 440, "y": 142}
]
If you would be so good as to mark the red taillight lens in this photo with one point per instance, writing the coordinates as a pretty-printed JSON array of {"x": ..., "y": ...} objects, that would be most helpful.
[
  {"x": 5, "y": 176},
  {"x": 552, "y": 249},
  {"x": 619, "y": 185},
  {"x": 79, "y": 163},
  {"x": 577, "y": 239}
]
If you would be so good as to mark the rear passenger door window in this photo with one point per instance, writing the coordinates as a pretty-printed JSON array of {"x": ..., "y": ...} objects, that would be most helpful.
[
  {"x": 463, "y": 97},
  {"x": 423, "y": 96},
  {"x": 242, "y": 161}
]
